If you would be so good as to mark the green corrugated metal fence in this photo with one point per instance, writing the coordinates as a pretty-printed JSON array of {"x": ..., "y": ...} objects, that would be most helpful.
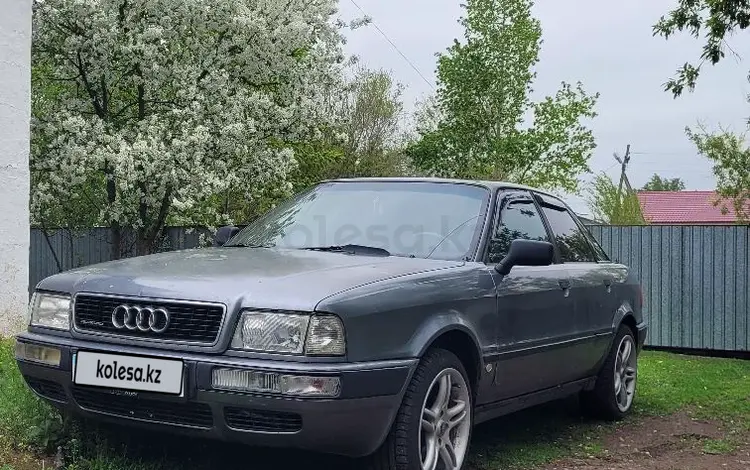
[{"x": 695, "y": 281}]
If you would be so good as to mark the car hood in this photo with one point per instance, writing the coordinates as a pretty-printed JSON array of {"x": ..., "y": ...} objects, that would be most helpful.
[{"x": 239, "y": 277}]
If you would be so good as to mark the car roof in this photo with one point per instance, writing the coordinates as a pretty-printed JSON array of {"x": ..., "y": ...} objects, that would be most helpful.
[{"x": 492, "y": 185}]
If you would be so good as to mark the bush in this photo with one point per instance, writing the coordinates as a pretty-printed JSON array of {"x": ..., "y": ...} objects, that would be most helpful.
[{"x": 25, "y": 420}]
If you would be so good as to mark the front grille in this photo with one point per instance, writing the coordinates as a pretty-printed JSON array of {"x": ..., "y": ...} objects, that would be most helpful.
[
  {"x": 47, "y": 389},
  {"x": 188, "y": 322},
  {"x": 186, "y": 414},
  {"x": 264, "y": 421}
]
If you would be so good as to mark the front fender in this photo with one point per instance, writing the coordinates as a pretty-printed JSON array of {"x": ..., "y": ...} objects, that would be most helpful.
[
  {"x": 438, "y": 325},
  {"x": 401, "y": 318}
]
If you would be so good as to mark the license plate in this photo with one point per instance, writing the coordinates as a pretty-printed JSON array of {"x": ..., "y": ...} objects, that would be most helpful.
[{"x": 128, "y": 372}]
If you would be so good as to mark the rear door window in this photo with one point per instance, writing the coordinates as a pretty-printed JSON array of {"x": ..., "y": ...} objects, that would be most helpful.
[{"x": 571, "y": 239}]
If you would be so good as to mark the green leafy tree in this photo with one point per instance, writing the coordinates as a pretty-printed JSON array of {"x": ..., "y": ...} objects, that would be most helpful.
[
  {"x": 611, "y": 205},
  {"x": 483, "y": 100},
  {"x": 363, "y": 139},
  {"x": 427, "y": 115},
  {"x": 657, "y": 183},
  {"x": 370, "y": 115},
  {"x": 731, "y": 158},
  {"x": 715, "y": 20}
]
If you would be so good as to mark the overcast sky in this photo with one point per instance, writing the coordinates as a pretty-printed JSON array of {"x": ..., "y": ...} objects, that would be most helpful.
[{"x": 609, "y": 47}]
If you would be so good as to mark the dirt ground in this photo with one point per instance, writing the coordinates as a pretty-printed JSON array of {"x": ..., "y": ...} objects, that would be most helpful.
[{"x": 679, "y": 442}]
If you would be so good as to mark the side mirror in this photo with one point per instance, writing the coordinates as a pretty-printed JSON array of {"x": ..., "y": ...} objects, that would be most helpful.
[
  {"x": 526, "y": 253},
  {"x": 224, "y": 234}
]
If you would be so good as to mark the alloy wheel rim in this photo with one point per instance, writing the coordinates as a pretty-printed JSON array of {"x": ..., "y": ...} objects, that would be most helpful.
[
  {"x": 445, "y": 422},
  {"x": 626, "y": 372}
]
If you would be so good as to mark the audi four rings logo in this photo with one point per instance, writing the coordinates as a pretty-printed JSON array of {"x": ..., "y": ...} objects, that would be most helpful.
[{"x": 142, "y": 319}]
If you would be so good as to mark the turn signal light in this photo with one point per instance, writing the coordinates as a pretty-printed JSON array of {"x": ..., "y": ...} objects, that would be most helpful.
[
  {"x": 251, "y": 381},
  {"x": 39, "y": 354}
]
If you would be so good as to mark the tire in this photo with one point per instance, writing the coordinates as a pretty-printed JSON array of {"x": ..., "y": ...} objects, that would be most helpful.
[
  {"x": 405, "y": 446},
  {"x": 603, "y": 401}
]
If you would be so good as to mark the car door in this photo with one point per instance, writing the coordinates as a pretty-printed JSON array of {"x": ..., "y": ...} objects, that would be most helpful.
[
  {"x": 592, "y": 277},
  {"x": 534, "y": 305}
]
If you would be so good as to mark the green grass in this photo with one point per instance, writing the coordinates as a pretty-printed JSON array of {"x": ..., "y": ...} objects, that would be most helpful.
[
  {"x": 717, "y": 389},
  {"x": 536, "y": 436},
  {"x": 714, "y": 388},
  {"x": 719, "y": 446},
  {"x": 24, "y": 419}
]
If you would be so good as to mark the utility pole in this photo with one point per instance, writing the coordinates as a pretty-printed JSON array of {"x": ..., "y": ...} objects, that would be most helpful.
[{"x": 623, "y": 174}]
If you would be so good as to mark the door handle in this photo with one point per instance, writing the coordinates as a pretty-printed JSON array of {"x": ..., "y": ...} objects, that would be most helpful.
[
  {"x": 565, "y": 285},
  {"x": 608, "y": 284}
]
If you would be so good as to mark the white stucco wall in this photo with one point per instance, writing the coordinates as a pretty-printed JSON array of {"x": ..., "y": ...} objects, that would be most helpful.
[{"x": 15, "y": 110}]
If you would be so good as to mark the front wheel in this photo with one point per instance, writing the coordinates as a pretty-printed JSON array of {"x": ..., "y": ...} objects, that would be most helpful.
[
  {"x": 433, "y": 427},
  {"x": 614, "y": 392}
]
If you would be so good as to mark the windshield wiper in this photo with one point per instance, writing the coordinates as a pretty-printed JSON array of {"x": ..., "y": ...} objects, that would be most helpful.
[
  {"x": 351, "y": 249},
  {"x": 248, "y": 245}
]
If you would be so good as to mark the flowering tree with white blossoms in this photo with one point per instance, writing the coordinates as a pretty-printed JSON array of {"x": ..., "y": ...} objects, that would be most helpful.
[{"x": 148, "y": 109}]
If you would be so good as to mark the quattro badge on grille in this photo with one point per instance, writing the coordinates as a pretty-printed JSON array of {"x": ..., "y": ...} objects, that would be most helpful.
[{"x": 143, "y": 319}]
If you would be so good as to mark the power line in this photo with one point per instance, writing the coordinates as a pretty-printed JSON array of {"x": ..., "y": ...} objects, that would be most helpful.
[
  {"x": 609, "y": 168},
  {"x": 660, "y": 153},
  {"x": 395, "y": 47}
]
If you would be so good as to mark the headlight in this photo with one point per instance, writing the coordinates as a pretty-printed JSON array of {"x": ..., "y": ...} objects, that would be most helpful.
[
  {"x": 316, "y": 335},
  {"x": 50, "y": 311},
  {"x": 271, "y": 332}
]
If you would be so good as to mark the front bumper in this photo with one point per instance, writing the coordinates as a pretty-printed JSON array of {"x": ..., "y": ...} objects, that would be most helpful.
[
  {"x": 355, "y": 424},
  {"x": 642, "y": 334}
]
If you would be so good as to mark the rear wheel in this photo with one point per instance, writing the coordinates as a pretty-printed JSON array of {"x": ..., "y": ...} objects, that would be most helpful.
[
  {"x": 613, "y": 395},
  {"x": 433, "y": 427}
]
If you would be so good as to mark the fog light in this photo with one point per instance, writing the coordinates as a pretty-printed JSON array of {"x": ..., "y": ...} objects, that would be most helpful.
[
  {"x": 281, "y": 384},
  {"x": 39, "y": 354},
  {"x": 309, "y": 386}
]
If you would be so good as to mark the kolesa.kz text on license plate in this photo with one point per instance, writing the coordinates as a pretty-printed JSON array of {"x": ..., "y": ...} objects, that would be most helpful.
[{"x": 128, "y": 372}]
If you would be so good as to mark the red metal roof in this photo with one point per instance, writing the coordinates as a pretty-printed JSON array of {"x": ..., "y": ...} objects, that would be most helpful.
[{"x": 684, "y": 207}]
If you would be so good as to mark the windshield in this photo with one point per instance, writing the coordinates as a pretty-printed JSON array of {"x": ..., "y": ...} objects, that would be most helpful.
[{"x": 419, "y": 219}]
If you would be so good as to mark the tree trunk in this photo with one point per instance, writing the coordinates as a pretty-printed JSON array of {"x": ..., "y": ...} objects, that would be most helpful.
[
  {"x": 148, "y": 235},
  {"x": 116, "y": 236},
  {"x": 115, "y": 228},
  {"x": 144, "y": 244}
]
